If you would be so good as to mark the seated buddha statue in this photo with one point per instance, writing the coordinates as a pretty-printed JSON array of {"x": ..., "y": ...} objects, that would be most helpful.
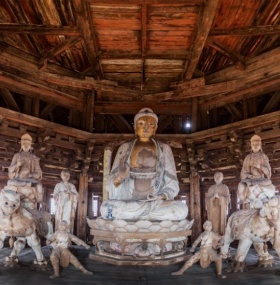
[
  {"x": 255, "y": 175},
  {"x": 143, "y": 180}
]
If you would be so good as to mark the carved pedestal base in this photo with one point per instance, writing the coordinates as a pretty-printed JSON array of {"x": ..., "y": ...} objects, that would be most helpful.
[{"x": 139, "y": 242}]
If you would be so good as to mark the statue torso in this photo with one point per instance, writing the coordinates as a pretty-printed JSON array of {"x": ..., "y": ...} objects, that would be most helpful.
[{"x": 143, "y": 163}]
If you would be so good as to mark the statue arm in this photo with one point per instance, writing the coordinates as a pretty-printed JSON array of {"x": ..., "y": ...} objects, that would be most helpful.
[
  {"x": 195, "y": 244},
  {"x": 78, "y": 241},
  {"x": 36, "y": 171},
  {"x": 245, "y": 169},
  {"x": 14, "y": 167},
  {"x": 266, "y": 167}
]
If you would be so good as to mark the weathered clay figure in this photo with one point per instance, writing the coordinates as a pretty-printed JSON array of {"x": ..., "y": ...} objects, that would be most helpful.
[
  {"x": 61, "y": 255},
  {"x": 253, "y": 226},
  {"x": 16, "y": 221},
  {"x": 217, "y": 200},
  {"x": 255, "y": 175},
  {"x": 25, "y": 175},
  {"x": 66, "y": 198},
  {"x": 143, "y": 180},
  {"x": 206, "y": 254}
]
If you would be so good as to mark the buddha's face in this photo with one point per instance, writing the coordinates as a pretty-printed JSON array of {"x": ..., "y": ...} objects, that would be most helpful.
[
  {"x": 25, "y": 145},
  {"x": 256, "y": 146},
  {"x": 145, "y": 127},
  {"x": 218, "y": 177},
  {"x": 208, "y": 227}
]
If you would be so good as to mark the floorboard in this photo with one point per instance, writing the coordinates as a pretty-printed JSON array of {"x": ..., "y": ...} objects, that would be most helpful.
[{"x": 123, "y": 275}]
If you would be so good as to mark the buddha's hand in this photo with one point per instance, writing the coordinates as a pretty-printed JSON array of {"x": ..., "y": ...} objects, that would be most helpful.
[
  {"x": 156, "y": 197},
  {"x": 122, "y": 172}
]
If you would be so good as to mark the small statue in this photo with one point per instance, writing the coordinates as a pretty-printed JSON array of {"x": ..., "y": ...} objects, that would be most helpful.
[
  {"x": 66, "y": 198},
  {"x": 61, "y": 255},
  {"x": 25, "y": 175},
  {"x": 217, "y": 200},
  {"x": 255, "y": 175},
  {"x": 207, "y": 254},
  {"x": 143, "y": 180}
]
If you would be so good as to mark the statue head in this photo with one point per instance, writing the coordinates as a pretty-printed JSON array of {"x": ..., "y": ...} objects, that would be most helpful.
[
  {"x": 9, "y": 201},
  {"x": 207, "y": 226},
  {"x": 26, "y": 141},
  {"x": 256, "y": 143},
  {"x": 218, "y": 177},
  {"x": 63, "y": 226},
  {"x": 145, "y": 123},
  {"x": 65, "y": 175}
]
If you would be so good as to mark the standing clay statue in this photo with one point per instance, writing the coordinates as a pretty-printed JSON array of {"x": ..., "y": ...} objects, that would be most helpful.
[
  {"x": 217, "y": 200},
  {"x": 255, "y": 175},
  {"x": 206, "y": 254},
  {"x": 143, "y": 180},
  {"x": 66, "y": 198},
  {"x": 61, "y": 255},
  {"x": 25, "y": 175}
]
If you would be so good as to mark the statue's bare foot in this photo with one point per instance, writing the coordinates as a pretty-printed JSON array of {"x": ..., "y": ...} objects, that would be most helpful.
[
  {"x": 54, "y": 276},
  {"x": 266, "y": 262},
  {"x": 11, "y": 261},
  {"x": 221, "y": 276},
  {"x": 87, "y": 272},
  {"x": 179, "y": 272},
  {"x": 237, "y": 266}
]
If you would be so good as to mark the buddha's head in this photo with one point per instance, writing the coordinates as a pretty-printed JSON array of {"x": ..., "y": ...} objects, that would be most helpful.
[
  {"x": 218, "y": 177},
  {"x": 63, "y": 226},
  {"x": 26, "y": 141},
  {"x": 145, "y": 123},
  {"x": 207, "y": 226},
  {"x": 256, "y": 143}
]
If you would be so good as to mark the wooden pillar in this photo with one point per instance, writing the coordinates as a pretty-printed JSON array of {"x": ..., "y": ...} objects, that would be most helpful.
[
  {"x": 27, "y": 105},
  {"x": 245, "y": 109},
  {"x": 195, "y": 205},
  {"x": 194, "y": 114},
  {"x": 82, "y": 206},
  {"x": 88, "y": 112},
  {"x": 36, "y": 107},
  {"x": 107, "y": 158}
]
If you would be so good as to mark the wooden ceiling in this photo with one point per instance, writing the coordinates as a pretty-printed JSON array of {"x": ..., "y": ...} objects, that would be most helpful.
[{"x": 92, "y": 64}]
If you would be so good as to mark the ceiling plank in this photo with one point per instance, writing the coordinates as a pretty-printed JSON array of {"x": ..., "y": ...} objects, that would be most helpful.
[
  {"x": 83, "y": 22},
  {"x": 245, "y": 31},
  {"x": 39, "y": 29},
  {"x": 138, "y": 2},
  {"x": 9, "y": 99},
  {"x": 143, "y": 42},
  {"x": 204, "y": 23},
  {"x": 274, "y": 100}
]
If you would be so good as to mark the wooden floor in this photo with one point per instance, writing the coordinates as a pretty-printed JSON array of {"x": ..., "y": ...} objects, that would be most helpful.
[{"x": 118, "y": 275}]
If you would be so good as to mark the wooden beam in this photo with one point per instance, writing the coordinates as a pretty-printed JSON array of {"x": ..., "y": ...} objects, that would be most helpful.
[
  {"x": 39, "y": 29},
  {"x": 9, "y": 99},
  {"x": 234, "y": 56},
  {"x": 163, "y": 122},
  {"x": 139, "y": 2},
  {"x": 88, "y": 113},
  {"x": 71, "y": 41},
  {"x": 45, "y": 112},
  {"x": 204, "y": 23},
  {"x": 246, "y": 31},
  {"x": 133, "y": 108},
  {"x": 234, "y": 111},
  {"x": 85, "y": 25},
  {"x": 272, "y": 103}
]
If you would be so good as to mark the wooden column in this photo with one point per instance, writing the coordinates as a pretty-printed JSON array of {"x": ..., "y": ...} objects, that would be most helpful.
[
  {"x": 194, "y": 114},
  {"x": 107, "y": 159},
  {"x": 82, "y": 206},
  {"x": 88, "y": 112},
  {"x": 195, "y": 206},
  {"x": 36, "y": 107}
]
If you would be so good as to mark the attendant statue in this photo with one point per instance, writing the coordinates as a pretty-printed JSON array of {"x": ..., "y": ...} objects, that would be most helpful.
[
  {"x": 255, "y": 175},
  {"x": 207, "y": 253},
  {"x": 61, "y": 255},
  {"x": 143, "y": 181},
  {"x": 25, "y": 174},
  {"x": 65, "y": 198},
  {"x": 217, "y": 200}
]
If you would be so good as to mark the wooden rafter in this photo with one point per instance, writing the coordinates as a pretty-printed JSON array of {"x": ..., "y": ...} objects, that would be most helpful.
[
  {"x": 204, "y": 24},
  {"x": 71, "y": 41},
  {"x": 39, "y": 29},
  {"x": 138, "y": 2},
  {"x": 163, "y": 122},
  {"x": 121, "y": 123},
  {"x": 245, "y": 31},
  {"x": 234, "y": 56},
  {"x": 272, "y": 103},
  {"x": 9, "y": 99},
  {"x": 46, "y": 111},
  {"x": 83, "y": 22}
]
